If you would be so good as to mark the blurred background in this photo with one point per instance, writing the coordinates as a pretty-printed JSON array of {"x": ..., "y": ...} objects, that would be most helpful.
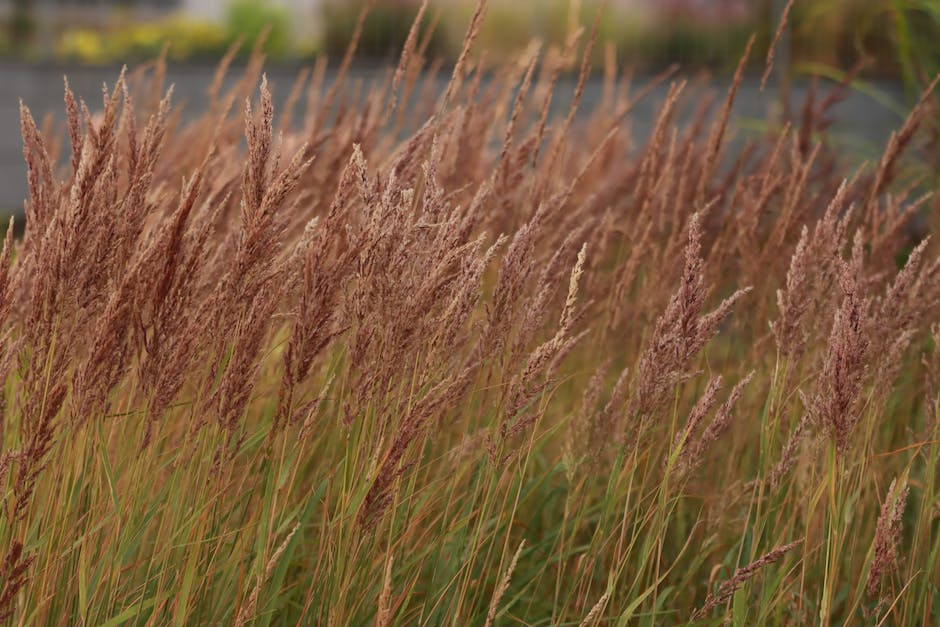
[
  {"x": 894, "y": 45},
  {"x": 896, "y": 38}
]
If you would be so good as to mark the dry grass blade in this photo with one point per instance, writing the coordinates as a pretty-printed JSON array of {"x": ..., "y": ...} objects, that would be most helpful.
[
  {"x": 778, "y": 34},
  {"x": 728, "y": 587}
]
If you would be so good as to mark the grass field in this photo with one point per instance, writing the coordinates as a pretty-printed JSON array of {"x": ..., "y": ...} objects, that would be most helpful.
[{"x": 464, "y": 362}]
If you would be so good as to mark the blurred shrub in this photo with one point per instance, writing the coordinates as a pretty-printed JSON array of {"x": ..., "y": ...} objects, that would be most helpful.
[
  {"x": 247, "y": 19},
  {"x": 384, "y": 31},
  {"x": 641, "y": 37},
  {"x": 187, "y": 39},
  {"x": 691, "y": 44},
  {"x": 840, "y": 33},
  {"x": 83, "y": 44},
  {"x": 510, "y": 27},
  {"x": 898, "y": 37},
  {"x": 895, "y": 37},
  {"x": 918, "y": 35},
  {"x": 22, "y": 24}
]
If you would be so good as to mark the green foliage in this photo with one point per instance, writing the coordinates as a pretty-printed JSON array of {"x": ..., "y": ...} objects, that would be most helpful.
[
  {"x": 891, "y": 36},
  {"x": 22, "y": 22},
  {"x": 384, "y": 31},
  {"x": 917, "y": 36},
  {"x": 690, "y": 44},
  {"x": 185, "y": 39},
  {"x": 638, "y": 38},
  {"x": 248, "y": 19},
  {"x": 5, "y": 46}
]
